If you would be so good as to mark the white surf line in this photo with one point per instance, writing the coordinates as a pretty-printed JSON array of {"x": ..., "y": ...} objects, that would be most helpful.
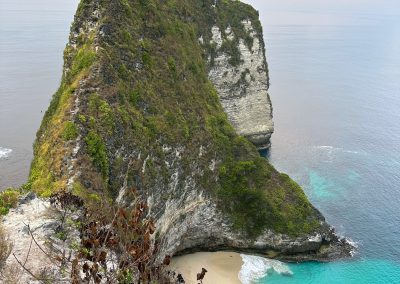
[
  {"x": 4, "y": 152},
  {"x": 255, "y": 267},
  {"x": 331, "y": 149}
]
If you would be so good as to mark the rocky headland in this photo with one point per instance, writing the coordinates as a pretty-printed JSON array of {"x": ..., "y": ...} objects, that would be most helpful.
[{"x": 170, "y": 99}]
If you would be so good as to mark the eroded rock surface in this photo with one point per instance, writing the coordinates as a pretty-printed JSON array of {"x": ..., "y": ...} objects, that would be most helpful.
[{"x": 243, "y": 85}]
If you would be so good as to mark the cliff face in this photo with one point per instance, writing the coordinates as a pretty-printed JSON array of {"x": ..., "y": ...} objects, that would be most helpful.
[
  {"x": 141, "y": 105},
  {"x": 241, "y": 79}
]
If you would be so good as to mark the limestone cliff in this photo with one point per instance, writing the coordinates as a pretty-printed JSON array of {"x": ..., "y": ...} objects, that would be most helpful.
[
  {"x": 241, "y": 79},
  {"x": 141, "y": 105}
]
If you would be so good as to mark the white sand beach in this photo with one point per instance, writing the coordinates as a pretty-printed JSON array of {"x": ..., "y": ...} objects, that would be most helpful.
[{"x": 222, "y": 267}]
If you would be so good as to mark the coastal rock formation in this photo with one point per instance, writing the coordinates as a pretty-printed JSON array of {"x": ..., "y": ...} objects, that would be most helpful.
[
  {"x": 141, "y": 106},
  {"x": 242, "y": 82}
]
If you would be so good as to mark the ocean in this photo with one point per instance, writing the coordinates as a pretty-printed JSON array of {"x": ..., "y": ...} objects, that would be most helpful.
[
  {"x": 335, "y": 87},
  {"x": 33, "y": 35}
]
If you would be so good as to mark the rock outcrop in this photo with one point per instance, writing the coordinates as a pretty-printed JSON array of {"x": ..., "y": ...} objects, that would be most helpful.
[
  {"x": 34, "y": 231},
  {"x": 242, "y": 85},
  {"x": 141, "y": 105}
]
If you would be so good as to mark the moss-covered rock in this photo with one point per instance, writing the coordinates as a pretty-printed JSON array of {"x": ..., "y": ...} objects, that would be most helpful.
[{"x": 136, "y": 109}]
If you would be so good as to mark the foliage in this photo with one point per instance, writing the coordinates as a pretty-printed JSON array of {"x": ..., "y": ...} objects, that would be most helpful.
[
  {"x": 256, "y": 205},
  {"x": 102, "y": 111},
  {"x": 64, "y": 199},
  {"x": 5, "y": 247},
  {"x": 226, "y": 14},
  {"x": 230, "y": 47},
  {"x": 49, "y": 148},
  {"x": 8, "y": 200},
  {"x": 70, "y": 131},
  {"x": 84, "y": 58},
  {"x": 97, "y": 151},
  {"x": 115, "y": 243}
]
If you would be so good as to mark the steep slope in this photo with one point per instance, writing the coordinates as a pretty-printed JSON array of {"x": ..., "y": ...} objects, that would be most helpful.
[
  {"x": 141, "y": 105},
  {"x": 237, "y": 67}
]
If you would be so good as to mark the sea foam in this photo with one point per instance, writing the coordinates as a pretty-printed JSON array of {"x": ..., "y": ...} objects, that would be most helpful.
[
  {"x": 331, "y": 149},
  {"x": 355, "y": 245},
  {"x": 255, "y": 268},
  {"x": 4, "y": 152}
]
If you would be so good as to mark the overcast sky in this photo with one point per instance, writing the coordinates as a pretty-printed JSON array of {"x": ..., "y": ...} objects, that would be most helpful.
[
  {"x": 324, "y": 11},
  {"x": 366, "y": 5}
]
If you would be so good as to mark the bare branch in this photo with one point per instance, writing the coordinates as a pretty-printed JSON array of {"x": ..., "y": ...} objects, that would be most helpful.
[
  {"x": 29, "y": 251},
  {"x": 26, "y": 269}
]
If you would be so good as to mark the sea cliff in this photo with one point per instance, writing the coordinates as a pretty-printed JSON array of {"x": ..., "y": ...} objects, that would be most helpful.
[{"x": 169, "y": 98}]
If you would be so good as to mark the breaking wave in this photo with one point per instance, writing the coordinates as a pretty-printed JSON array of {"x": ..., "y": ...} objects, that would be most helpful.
[
  {"x": 331, "y": 149},
  {"x": 4, "y": 152},
  {"x": 355, "y": 246},
  {"x": 329, "y": 152},
  {"x": 255, "y": 268}
]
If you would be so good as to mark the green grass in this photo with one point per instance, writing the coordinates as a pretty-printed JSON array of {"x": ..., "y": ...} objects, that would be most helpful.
[
  {"x": 84, "y": 58},
  {"x": 70, "y": 131},
  {"x": 57, "y": 126},
  {"x": 8, "y": 200},
  {"x": 97, "y": 151}
]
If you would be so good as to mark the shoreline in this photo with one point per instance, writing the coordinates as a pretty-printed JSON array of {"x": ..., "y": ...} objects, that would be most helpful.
[{"x": 223, "y": 267}]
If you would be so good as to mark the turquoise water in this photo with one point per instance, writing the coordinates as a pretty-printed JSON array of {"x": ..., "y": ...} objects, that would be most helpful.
[
  {"x": 335, "y": 87},
  {"x": 359, "y": 272}
]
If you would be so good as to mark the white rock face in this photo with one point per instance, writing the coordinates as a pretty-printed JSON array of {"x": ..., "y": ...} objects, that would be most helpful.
[
  {"x": 243, "y": 89},
  {"x": 36, "y": 216}
]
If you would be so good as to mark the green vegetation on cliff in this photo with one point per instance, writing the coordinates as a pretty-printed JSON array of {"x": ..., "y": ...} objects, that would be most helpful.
[
  {"x": 136, "y": 84},
  {"x": 8, "y": 200}
]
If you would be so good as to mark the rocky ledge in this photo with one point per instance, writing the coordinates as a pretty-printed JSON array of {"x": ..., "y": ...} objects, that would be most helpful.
[
  {"x": 33, "y": 228},
  {"x": 202, "y": 227}
]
